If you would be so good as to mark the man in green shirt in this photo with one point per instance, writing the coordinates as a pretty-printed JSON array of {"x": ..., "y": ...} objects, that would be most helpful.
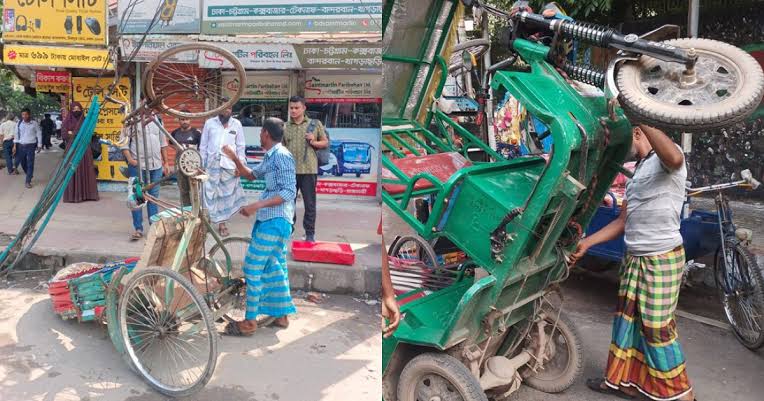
[{"x": 303, "y": 144}]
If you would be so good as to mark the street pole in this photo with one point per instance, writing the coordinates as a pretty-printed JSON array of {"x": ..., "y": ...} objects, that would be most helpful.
[{"x": 692, "y": 28}]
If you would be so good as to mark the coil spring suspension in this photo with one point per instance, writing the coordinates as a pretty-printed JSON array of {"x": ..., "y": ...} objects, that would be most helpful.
[
  {"x": 584, "y": 73},
  {"x": 597, "y": 35}
]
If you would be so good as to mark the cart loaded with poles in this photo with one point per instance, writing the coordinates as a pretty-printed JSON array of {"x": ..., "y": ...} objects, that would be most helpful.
[{"x": 477, "y": 281}]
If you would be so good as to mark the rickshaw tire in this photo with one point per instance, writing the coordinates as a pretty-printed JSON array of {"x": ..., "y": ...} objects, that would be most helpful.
[
  {"x": 756, "y": 275},
  {"x": 424, "y": 246},
  {"x": 445, "y": 366},
  {"x": 206, "y": 316},
  {"x": 575, "y": 365},
  {"x": 639, "y": 108}
]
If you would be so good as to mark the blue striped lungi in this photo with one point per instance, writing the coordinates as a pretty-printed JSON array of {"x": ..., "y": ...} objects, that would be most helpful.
[{"x": 265, "y": 270}]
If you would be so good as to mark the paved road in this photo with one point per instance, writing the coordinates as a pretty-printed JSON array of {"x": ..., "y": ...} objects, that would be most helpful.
[{"x": 331, "y": 352}]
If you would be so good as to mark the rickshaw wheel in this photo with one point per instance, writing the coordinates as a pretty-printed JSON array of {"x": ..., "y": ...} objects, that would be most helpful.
[
  {"x": 743, "y": 303},
  {"x": 565, "y": 354},
  {"x": 168, "y": 332},
  {"x": 438, "y": 377},
  {"x": 413, "y": 247},
  {"x": 237, "y": 247}
]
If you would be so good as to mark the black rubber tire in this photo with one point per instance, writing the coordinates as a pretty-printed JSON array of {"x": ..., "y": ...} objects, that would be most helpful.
[
  {"x": 424, "y": 249},
  {"x": 557, "y": 382},
  {"x": 238, "y": 312},
  {"x": 206, "y": 317},
  {"x": 445, "y": 366},
  {"x": 150, "y": 92},
  {"x": 639, "y": 107},
  {"x": 754, "y": 272}
]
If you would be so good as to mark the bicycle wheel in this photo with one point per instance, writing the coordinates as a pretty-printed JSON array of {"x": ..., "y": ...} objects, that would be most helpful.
[
  {"x": 168, "y": 331},
  {"x": 175, "y": 82},
  {"x": 237, "y": 248},
  {"x": 477, "y": 47},
  {"x": 740, "y": 285},
  {"x": 412, "y": 247}
]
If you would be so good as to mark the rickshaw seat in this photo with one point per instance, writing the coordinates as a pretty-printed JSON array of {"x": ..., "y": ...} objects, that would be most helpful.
[{"x": 440, "y": 165}]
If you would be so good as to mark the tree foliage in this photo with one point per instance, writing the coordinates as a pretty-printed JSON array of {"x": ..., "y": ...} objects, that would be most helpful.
[{"x": 13, "y": 100}]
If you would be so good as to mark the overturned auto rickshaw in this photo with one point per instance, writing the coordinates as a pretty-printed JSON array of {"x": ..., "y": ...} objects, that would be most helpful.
[{"x": 477, "y": 325}]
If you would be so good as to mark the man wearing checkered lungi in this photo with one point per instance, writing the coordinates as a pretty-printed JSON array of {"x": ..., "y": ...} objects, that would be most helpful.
[
  {"x": 265, "y": 268},
  {"x": 645, "y": 355}
]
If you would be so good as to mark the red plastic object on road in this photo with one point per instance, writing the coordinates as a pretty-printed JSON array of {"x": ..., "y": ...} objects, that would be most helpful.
[{"x": 336, "y": 253}]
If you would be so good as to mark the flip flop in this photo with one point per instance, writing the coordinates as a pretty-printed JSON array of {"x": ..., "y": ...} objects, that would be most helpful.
[
  {"x": 233, "y": 329},
  {"x": 136, "y": 236},
  {"x": 271, "y": 321},
  {"x": 596, "y": 385}
]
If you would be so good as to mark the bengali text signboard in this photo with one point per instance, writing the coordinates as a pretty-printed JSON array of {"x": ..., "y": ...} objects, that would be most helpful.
[{"x": 55, "y": 21}]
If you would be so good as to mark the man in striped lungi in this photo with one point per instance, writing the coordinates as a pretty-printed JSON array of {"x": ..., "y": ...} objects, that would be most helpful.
[
  {"x": 265, "y": 268},
  {"x": 645, "y": 355}
]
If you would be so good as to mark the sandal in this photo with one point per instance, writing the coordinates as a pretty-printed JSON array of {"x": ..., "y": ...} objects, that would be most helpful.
[
  {"x": 271, "y": 321},
  {"x": 138, "y": 234},
  {"x": 596, "y": 385},
  {"x": 233, "y": 329}
]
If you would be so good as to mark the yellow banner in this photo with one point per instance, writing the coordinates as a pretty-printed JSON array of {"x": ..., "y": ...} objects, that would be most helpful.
[
  {"x": 109, "y": 119},
  {"x": 65, "y": 57},
  {"x": 56, "y": 21}
]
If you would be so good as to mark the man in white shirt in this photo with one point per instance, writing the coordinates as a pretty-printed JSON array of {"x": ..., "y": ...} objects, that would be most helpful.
[
  {"x": 7, "y": 135},
  {"x": 223, "y": 193},
  {"x": 28, "y": 142},
  {"x": 155, "y": 148}
]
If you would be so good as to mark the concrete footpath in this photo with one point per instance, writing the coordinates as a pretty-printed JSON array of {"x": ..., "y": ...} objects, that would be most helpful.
[{"x": 99, "y": 232}]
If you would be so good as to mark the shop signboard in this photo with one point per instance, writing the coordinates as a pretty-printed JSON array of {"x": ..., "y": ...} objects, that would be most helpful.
[
  {"x": 153, "y": 46},
  {"x": 109, "y": 121},
  {"x": 300, "y": 56},
  {"x": 56, "y": 21},
  {"x": 232, "y": 17},
  {"x": 64, "y": 57},
  {"x": 345, "y": 88},
  {"x": 179, "y": 16},
  {"x": 53, "y": 81},
  {"x": 258, "y": 86}
]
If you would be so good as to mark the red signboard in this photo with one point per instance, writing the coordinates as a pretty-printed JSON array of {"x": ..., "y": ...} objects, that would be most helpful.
[{"x": 53, "y": 81}]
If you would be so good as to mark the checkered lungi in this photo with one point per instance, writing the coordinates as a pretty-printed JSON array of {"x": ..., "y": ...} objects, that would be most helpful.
[{"x": 645, "y": 352}]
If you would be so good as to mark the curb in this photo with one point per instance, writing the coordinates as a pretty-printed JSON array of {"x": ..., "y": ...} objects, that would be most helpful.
[{"x": 306, "y": 276}]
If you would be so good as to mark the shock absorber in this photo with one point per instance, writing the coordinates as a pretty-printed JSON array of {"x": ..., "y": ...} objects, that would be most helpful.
[{"x": 584, "y": 73}]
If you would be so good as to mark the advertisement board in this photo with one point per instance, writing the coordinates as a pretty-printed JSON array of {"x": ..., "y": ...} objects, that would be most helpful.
[
  {"x": 64, "y": 57},
  {"x": 287, "y": 56},
  {"x": 55, "y": 21},
  {"x": 231, "y": 17},
  {"x": 153, "y": 46},
  {"x": 53, "y": 81},
  {"x": 260, "y": 86},
  {"x": 179, "y": 16},
  {"x": 109, "y": 122},
  {"x": 343, "y": 88}
]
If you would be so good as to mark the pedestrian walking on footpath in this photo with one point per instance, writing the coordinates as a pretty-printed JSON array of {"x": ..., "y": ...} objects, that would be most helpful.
[
  {"x": 645, "y": 355},
  {"x": 303, "y": 136},
  {"x": 28, "y": 141},
  {"x": 155, "y": 149},
  {"x": 189, "y": 137},
  {"x": 59, "y": 124},
  {"x": 223, "y": 193},
  {"x": 265, "y": 266},
  {"x": 83, "y": 185},
  {"x": 7, "y": 135},
  {"x": 48, "y": 127}
]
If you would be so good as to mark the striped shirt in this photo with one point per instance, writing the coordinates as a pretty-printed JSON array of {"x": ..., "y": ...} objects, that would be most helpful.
[
  {"x": 278, "y": 170},
  {"x": 654, "y": 196}
]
